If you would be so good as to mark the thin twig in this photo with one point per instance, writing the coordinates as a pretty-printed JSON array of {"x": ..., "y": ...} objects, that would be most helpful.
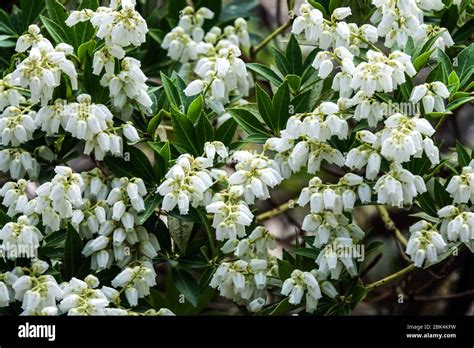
[
  {"x": 390, "y": 225},
  {"x": 389, "y": 278},
  {"x": 270, "y": 37},
  {"x": 276, "y": 211}
]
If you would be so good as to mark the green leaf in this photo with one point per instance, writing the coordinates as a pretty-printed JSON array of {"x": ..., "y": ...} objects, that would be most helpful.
[
  {"x": 180, "y": 231},
  {"x": 427, "y": 46},
  {"x": 256, "y": 138},
  {"x": 300, "y": 102},
  {"x": 281, "y": 103},
  {"x": 284, "y": 269},
  {"x": 294, "y": 56},
  {"x": 153, "y": 125},
  {"x": 249, "y": 123},
  {"x": 86, "y": 49},
  {"x": 204, "y": 131},
  {"x": 442, "y": 196},
  {"x": 421, "y": 60},
  {"x": 445, "y": 65},
  {"x": 464, "y": 65},
  {"x": 449, "y": 18},
  {"x": 157, "y": 35},
  {"x": 56, "y": 31},
  {"x": 463, "y": 155},
  {"x": 4, "y": 219},
  {"x": 266, "y": 72},
  {"x": 186, "y": 285},
  {"x": 180, "y": 87},
  {"x": 426, "y": 204},
  {"x": 72, "y": 253},
  {"x": 458, "y": 102},
  {"x": 6, "y": 25},
  {"x": 357, "y": 294},
  {"x": 318, "y": 6},
  {"x": 281, "y": 61},
  {"x": 7, "y": 41},
  {"x": 282, "y": 308},
  {"x": 30, "y": 10},
  {"x": 184, "y": 132},
  {"x": 294, "y": 81},
  {"x": 310, "y": 253},
  {"x": 171, "y": 91},
  {"x": 453, "y": 82},
  {"x": 141, "y": 165},
  {"x": 226, "y": 131},
  {"x": 265, "y": 107},
  {"x": 410, "y": 47},
  {"x": 151, "y": 203},
  {"x": 195, "y": 109}
]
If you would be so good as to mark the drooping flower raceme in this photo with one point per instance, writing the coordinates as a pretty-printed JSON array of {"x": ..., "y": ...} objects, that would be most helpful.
[
  {"x": 186, "y": 183},
  {"x": 425, "y": 243},
  {"x": 41, "y": 71}
]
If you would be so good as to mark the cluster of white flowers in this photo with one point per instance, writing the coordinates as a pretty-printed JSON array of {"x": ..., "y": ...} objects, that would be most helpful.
[
  {"x": 367, "y": 107},
  {"x": 86, "y": 121},
  {"x": 110, "y": 209},
  {"x": 40, "y": 293},
  {"x": 331, "y": 227},
  {"x": 457, "y": 220},
  {"x": 404, "y": 137},
  {"x": 81, "y": 297},
  {"x": 244, "y": 282},
  {"x": 187, "y": 182},
  {"x": 399, "y": 20},
  {"x": 335, "y": 197},
  {"x": 128, "y": 85},
  {"x": 398, "y": 186},
  {"x": 382, "y": 73},
  {"x": 14, "y": 196},
  {"x": 256, "y": 245},
  {"x": 231, "y": 216},
  {"x": 41, "y": 71},
  {"x": 313, "y": 283},
  {"x": 425, "y": 243},
  {"x": 431, "y": 95},
  {"x": 214, "y": 57},
  {"x": 334, "y": 33},
  {"x": 101, "y": 210},
  {"x": 246, "y": 279},
  {"x": 22, "y": 237},
  {"x": 37, "y": 291},
  {"x": 255, "y": 173},
  {"x": 17, "y": 125},
  {"x": 304, "y": 141},
  {"x": 9, "y": 94},
  {"x": 457, "y": 223},
  {"x": 136, "y": 281},
  {"x": 461, "y": 187},
  {"x": 120, "y": 26},
  {"x": 18, "y": 163}
]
